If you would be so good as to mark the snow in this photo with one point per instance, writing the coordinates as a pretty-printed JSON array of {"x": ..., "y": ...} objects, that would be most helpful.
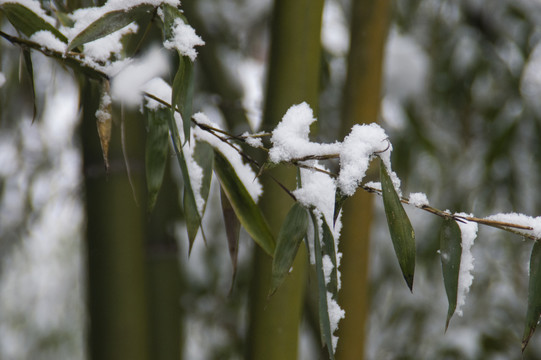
[
  {"x": 127, "y": 86},
  {"x": 102, "y": 49},
  {"x": 102, "y": 114},
  {"x": 468, "y": 231},
  {"x": 49, "y": 41},
  {"x": 520, "y": 219},
  {"x": 418, "y": 199},
  {"x": 318, "y": 190},
  {"x": 290, "y": 137},
  {"x": 336, "y": 313},
  {"x": 160, "y": 89},
  {"x": 33, "y": 6},
  {"x": 357, "y": 151},
  {"x": 253, "y": 141},
  {"x": 291, "y": 142},
  {"x": 245, "y": 173},
  {"x": 2, "y": 79},
  {"x": 184, "y": 39}
]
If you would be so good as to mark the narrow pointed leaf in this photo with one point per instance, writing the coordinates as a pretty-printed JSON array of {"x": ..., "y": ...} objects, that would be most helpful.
[
  {"x": 204, "y": 157},
  {"x": 534, "y": 295},
  {"x": 232, "y": 230},
  {"x": 183, "y": 92},
  {"x": 450, "y": 254},
  {"x": 402, "y": 233},
  {"x": 28, "y": 22},
  {"x": 157, "y": 147},
  {"x": 339, "y": 200},
  {"x": 329, "y": 250},
  {"x": 247, "y": 211},
  {"x": 192, "y": 216},
  {"x": 107, "y": 24},
  {"x": 289, "y": 239},
  {"x": 30, "y": 69},
  {"x": 104, "y": 123},
  {"x": 324, "y": 321}
]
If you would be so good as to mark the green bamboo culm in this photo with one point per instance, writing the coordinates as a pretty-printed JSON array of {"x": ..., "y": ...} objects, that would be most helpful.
[{"x": 293, "y": 77}]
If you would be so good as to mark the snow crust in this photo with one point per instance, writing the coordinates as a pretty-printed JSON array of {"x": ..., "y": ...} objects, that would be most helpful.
[
  {"x": 48, "y": 40},
  {"x": 159, "y": 88},
  {"x": 245, "y": 173},
  {"x": 127, "y": 86},
  {"x": 418, "y": 199},
  {"x": 290, "y": 138},
  {"x": 520, "y": 219},
  {"x": 468, "y": 231},
  {"x": 184, "y": 39},
  {"x": 291, "y": 142},
  {"x": 336, "y": 313}
]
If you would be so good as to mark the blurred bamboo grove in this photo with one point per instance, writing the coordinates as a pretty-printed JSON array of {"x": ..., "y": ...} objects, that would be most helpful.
[{"x": 88, "y": 273}]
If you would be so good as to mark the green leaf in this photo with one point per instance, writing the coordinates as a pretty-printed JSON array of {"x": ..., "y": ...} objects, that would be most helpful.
[
  {"x": 232, "y": 230},
  {"x": 402, "y": 233},
  {"x": 450, "y": 254},
  {"x": 109, "y": 23},
  {"x": 183, "y": 93},
  {"x": 204, "y": 156},
  {"x": 183, "y": 84},
  {"x": 289, "y": 239},
  {"x": 534, "y": 295},
  {"x": 193, "y": 218},
  {"x": 247, "y": 211},
  {"x": 28, "y": 22},
  {"x": 324, "y": 321},
  {"x": 30, "y": 69},
  {"x": 329, "y": 249},
  {"x": 339, "y": 200},
  {"x": 157, "y": 147}
]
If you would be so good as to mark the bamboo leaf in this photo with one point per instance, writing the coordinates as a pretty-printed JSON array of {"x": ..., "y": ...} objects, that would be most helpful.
[
  {"x": 30, "y": 69},
  {"x": 534, "y": 295},
  {"x": 108, "y": 23},
  {"x": 402, "y": 233},
  {"x": 183, "y": 92},
  {"x": 28, "y": 22},
  {"x": 232, "y": 230},
  {"x": 104, "y": 122},
  {"x": 329, "y": 249},
  {"x": 324, "y": 321},
  {"x": 193, "y": 218},
  {"x": 248, "y": 213},
  {"x": 183, "y": 84},
  {"x": 204, "y": 157},
  {"x": 289, "y": 239},
  {"x": 157, "y": 146},
  {"x": 450, "y": 254},
  {"x": 339, "y": 200}
]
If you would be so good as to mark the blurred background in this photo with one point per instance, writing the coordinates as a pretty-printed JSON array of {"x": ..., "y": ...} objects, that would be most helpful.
[{"x": 460, "y": 101}]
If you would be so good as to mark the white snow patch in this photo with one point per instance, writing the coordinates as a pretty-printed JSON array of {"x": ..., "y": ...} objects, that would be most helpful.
[
  {"x": 418, "y": 199},
  {"x": 33, "y": 6},
  {"x": 245, "y": 173},
  {"x": 336, "y": 313},
  {"x": 184, "y": 39},
  {"x": 290, "y": 137},
  {"x": 160, "y": 89},
  {"x": 357, "y": 151},
  {"x": 520, "y": 219},
  {"x": 318, "y": 190},
  {"x": 48, "y": 40},
  {"x": 465, "y": 277},
  {"x": 127, "y": 86},
  {"x": 2, "y": 79},
  {"x": 253, "y": 141}
]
